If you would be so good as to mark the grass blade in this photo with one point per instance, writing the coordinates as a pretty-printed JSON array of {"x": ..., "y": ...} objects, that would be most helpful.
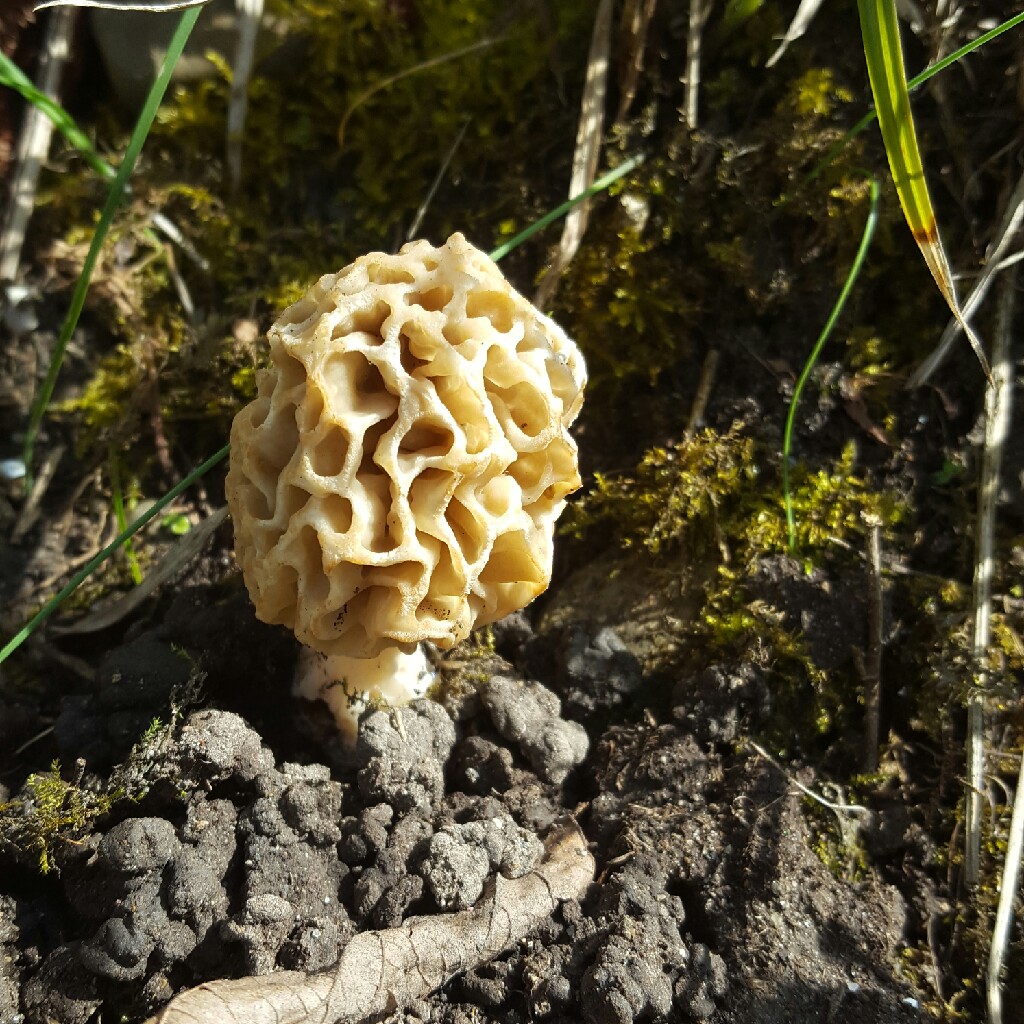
[
  {"x": 915, "y": 83},
  {"x": 837, "y": 309},
  {"x": 560, "y": 211},
  {"x": 114, "y": 197},
  {"x": 93, "y": 564},
  {"x": 884, "y": 54},
  {"x": 14, "y": 78}
]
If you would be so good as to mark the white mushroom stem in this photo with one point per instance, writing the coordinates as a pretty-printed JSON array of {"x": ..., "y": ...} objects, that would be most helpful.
[{"x": 347, "y": 684}]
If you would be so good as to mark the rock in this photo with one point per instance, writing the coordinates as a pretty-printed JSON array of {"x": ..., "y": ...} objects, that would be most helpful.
[
  {"x": 403, "y": 752},
  {"x": 529, "y": 715}
]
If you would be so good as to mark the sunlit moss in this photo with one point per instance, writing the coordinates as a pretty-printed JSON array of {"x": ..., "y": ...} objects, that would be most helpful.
[{"x": 51, "y": 811}]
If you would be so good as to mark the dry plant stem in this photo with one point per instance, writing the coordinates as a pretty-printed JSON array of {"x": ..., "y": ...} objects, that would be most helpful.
[
  {"x": 1007, "y": 897},
  {"x": 34, "y": 144},
  {"x": 30, "y": 511},
  {"x": 382, "y": 971},
  {"x": 414, "y": 228},
  {"x": 698, "y": 15},
  {"x": 839, "y": 810},
  {"x": 636, "y": 19},
  {"x": 998, "y": 414},
  {"x": 873, "y": 656},
  {"x": 797, "y": 27},
  {"x": 700, "y": 400},
  {"x": 997, "y": 429},
  {"x": 1013, "y": 218},
  {"x": 249, "y": 14},
  {"x": 587, "y": 152}
]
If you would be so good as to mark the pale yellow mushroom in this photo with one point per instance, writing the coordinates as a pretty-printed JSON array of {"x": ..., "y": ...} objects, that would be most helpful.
[{"x": 398, "y": 476}]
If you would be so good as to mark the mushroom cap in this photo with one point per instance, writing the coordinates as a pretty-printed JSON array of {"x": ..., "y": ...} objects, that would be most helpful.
[{"x": 399, "y": 474}]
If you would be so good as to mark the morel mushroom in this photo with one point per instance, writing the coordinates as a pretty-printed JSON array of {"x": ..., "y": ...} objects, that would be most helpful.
[{"x": 398, "y": 476}]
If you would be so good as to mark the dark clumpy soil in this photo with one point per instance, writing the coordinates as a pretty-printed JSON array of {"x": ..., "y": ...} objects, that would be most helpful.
[{"x": 256, "y": 849}]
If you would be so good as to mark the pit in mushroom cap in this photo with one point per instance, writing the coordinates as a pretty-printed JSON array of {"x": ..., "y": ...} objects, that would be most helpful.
[{"x": 399, "y": 474}]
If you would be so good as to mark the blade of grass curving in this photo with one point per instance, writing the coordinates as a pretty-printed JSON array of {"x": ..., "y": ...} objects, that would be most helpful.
[
  {"x": 83, "y": 574},
  {"x": 915, "y": 83},
  {"x": 114, "y": 197},
  {"x": 14, "y": 78},
  {"x": 87, "y": 570},
  {"x": 426, "y": 65},
  {"x": 560, "y": 211},
  {"x": 884, "y": 54},
  {"x": 837, "y": 309}
]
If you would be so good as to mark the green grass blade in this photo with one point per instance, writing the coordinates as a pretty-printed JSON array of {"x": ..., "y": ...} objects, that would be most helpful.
[
  {"x": 916, "y": 82},
  {"x": 14, "y": 78},
  {"x": 87, "y": 570},
  {"x": 560, "y": 211},
  {"x": 884, "y": 53},
  {"x": 114, "y": 197},
  {"x": 812, "y": 359}
]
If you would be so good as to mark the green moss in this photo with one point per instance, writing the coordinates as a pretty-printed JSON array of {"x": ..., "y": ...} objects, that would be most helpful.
[
  {"x": 707, "y": 497},
  {"x": 52, "y": 811}
]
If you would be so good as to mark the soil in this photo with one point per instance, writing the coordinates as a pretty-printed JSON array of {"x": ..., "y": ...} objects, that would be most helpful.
[{"x": 746, "y": 869}]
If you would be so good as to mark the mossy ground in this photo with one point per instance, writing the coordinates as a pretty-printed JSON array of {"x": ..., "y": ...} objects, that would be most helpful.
[{"x": 722, "y": 240}]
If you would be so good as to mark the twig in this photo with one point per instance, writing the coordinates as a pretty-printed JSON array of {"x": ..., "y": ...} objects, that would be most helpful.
[
  {"x": 1002, "y": 367},
  {"x": 837, "y": 809},
  {"x": 34, "y": 144},
  {"x": 436, "y": 183},
  {"x": 1007, "y": 898},
  {"x": 588, "y": 149},
  {"x": 698, "y": 15},
  {"x": 797, "y": 27},
  {"x": 998, "y": 414},
  {"x": 700, "y": 400},
  {"x": 249, "y": 14},
  {"x": 873, "y": 656},
  {"x": 30, "y": 510},
  {"x": 636, "y": 19}
]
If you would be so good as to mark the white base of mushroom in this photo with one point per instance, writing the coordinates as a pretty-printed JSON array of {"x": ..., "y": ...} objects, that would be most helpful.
[{"x": 347, "y": 685}]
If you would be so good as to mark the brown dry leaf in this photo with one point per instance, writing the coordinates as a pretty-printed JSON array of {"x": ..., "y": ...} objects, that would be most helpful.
[{"x": 381, "y": 971}]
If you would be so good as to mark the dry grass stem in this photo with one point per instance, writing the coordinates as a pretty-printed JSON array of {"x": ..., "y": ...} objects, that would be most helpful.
[
  {"x": 699, "y": 10},
  {"x": 34, "y": 143},
  {"x": 797, "y": 27},
  {"x": 249, "y": 14},
  {"x": 998, "y": 416},
  {"x": 872, "y": 662},
  {"x": 1009, "y": 229},
  {"x": 587, "y": 152}
]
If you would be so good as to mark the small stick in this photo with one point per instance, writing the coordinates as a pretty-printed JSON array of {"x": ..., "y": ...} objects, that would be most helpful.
[
  {"x": 698, "y": 15},
  {"x": 30, "y": 511},
  {"x": 700, "y": 399},
  {"x": 837, "y": 809},
  {"x": 998, "y": 408},
  {"x": 873, "y": 655},
  {"x": 34, "y": 143},
  {"x": 997, "y": 427},
  {"x": 249, "y": 14},
  {"x": 589, "y": 132},
  {"x": 1004, "y": 911}
]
